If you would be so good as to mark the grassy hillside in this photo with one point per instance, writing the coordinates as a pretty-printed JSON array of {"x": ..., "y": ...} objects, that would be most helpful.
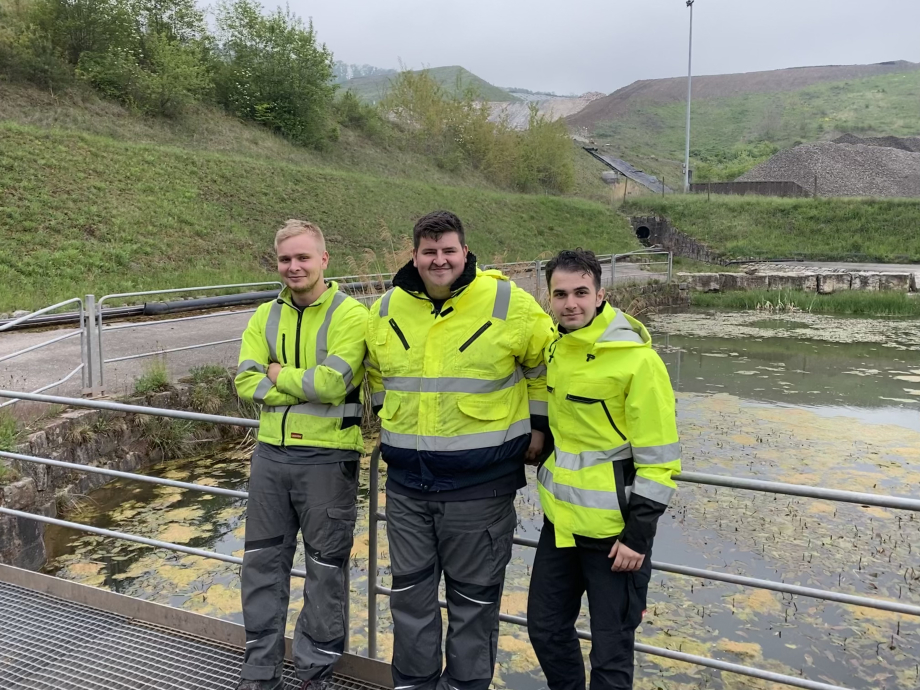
[
  {"x": 817, "y": 229},
  {"x": 727, "y": 129},
  {"x": 374, "y": 88},
  {"x": 83, "y": 213}
]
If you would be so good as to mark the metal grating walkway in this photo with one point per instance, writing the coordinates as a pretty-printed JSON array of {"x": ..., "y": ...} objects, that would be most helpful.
[{"x": 47, "y": 643}]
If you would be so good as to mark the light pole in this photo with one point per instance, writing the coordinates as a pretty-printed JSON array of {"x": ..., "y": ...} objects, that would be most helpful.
[{"x": 689, "y": 82}]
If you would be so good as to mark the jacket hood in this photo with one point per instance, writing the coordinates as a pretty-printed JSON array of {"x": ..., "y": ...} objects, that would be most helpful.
[
  {"x": 613, "y": 329},
  {"x": 409, "y": 279}
]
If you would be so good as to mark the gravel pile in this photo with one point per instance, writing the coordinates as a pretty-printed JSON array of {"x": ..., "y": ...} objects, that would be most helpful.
[
  {"x": 844, "y": 170},
  {"x": 903, "y": 143}
]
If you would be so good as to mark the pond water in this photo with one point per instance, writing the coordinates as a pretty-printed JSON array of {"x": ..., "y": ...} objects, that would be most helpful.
[{"x": 801, "y": 398}]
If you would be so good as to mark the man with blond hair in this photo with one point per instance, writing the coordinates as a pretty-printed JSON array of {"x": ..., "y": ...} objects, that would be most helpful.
[{"x": 302, "y": 360}]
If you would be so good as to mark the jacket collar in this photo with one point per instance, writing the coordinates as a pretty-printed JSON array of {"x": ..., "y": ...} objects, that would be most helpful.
[
  {"x": 610, "y": 328},
  {"x": 287, "y": 297},
  {"x": 409, "y": 279}
]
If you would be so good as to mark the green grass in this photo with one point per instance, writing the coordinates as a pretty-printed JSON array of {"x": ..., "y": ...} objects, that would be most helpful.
[
  {"x": 840, "y": 303},
  {"x": 82, "y": 213},
  {"x": 883, "y": 230},
  {"x": 651, "y": 135},
  {"x": 154, "y": 379},
  {"x": 9, "y": 432},
  {"x": 375, "y": 87}
]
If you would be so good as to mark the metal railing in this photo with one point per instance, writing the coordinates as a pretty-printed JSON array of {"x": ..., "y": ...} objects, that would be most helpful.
[
  {"x": 375, "y": 517},
  {"x": 172, "y": 291},
  {"x": 84, "y": 367},
  {"x": 640, "y": 253}
]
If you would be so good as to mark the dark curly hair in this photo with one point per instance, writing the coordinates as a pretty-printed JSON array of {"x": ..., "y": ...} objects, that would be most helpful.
[
  {"x": 435, "y": 224},
  {"x": 575, "y": 261}
]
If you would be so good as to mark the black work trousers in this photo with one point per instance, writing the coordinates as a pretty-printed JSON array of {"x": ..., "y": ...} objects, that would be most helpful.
[{"x": 616, "y": 602}]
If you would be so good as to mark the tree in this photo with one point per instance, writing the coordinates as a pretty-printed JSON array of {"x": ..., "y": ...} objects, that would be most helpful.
[{"x": 273, "y": 71}]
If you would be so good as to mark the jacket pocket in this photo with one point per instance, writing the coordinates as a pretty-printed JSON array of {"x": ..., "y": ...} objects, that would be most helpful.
[
  {"x": 284, "y": 348},
  {"x": 583, "y": 400},
  {"x": 391, "y": 402},
  {"x": 483, "y": 410},
  {"x": 472, "y": 338},
  {"x": 399, "y": 334}
]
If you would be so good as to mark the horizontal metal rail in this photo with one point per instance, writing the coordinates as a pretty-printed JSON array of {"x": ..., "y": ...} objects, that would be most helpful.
[
  {"x": 49, "y": 386},
  {"x": 680, "y": 656},
  {"x": 41, "y": 345},
  {"x": 132, "y": 537},
  {"x": 878, "y": 500},
  {"x": 31, "y": 315},
  {"x": 161, "y": 322},
  {"x": 172, "y": 349},
  {"x": 216, "y": 490},
  {"x": 132, "y": 409}
]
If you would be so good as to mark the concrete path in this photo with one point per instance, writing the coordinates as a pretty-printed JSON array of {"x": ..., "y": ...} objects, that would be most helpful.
[{"x": 837, "y": 266}]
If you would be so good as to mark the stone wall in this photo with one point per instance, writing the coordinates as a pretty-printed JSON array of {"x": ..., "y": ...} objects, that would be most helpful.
[
  {"x": 653, "y": 230},
  {"x": 113, "y": 440},
  {"x": 824, "y": 283}
]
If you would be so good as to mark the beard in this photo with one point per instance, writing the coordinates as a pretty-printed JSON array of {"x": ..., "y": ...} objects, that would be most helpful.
[{"x": 306, "y": 286}]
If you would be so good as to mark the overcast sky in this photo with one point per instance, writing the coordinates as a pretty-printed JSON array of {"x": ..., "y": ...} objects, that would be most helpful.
[{"x": 573, "y": 46}]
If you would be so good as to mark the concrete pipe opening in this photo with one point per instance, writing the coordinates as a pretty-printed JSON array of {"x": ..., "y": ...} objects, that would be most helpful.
[{"x": 642, "y": 234}]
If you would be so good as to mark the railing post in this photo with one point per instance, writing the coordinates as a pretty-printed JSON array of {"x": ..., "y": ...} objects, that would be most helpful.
[
  {"x": 613, "y": 269},
  {"x": 89, "y": 351},
  {"x": 373, "y": 505},
  {"x": 536, "y": 272},
  {"x": 670, "y": 265}
]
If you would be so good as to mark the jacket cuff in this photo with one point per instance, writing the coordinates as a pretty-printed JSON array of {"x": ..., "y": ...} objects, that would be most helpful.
[
  {"x": 641, "y": 524},
  {"x": 539, "y": 422}
]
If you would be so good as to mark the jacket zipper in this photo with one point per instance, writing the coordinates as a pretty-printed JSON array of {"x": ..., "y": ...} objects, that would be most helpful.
[
  {"x": 296, "y": 364},
  {"x": 475, "y": 335},
  {"x": 592, "y": 401},
  {"x": 399, "y": 333},
  {"x": 284, "y": 347}
]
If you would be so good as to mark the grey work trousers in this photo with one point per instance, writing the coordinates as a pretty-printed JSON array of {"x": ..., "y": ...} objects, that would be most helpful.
[
  {"x": 470, "y": 543},
  {"x": 319, "y": 501}
]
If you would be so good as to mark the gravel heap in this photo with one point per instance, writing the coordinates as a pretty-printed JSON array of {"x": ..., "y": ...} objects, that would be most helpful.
[
  {"x": 844, "y": 170},
  {"x": 903, "y": 143}
]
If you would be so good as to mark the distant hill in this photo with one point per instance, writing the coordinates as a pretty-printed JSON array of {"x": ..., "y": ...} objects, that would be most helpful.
[
  {"x": 373, "y": 88},
  {"x": 740, "y": 120},
  {"x": 708, "y": 87}
]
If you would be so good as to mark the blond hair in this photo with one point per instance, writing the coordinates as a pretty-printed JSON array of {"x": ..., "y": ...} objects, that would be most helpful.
[{"x": 294, "y": 227}]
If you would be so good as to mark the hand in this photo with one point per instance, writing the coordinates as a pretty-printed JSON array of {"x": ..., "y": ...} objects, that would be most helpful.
[
  {"x": 625, "y": 560},
  {"x": 273, "y": 370},
  {"x": 537, "y": 439}
]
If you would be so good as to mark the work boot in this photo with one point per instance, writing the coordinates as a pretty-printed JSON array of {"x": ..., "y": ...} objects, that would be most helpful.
[
  {"x": 273, "y": 684},
  {"x": 316, "y": 684}
]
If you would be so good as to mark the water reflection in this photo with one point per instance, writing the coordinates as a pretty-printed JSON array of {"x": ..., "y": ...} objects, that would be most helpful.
[{"x": 784, "y": 407}]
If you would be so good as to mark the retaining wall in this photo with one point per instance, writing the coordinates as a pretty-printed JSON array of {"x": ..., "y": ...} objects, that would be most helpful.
[{"x": 824, "y": 283}]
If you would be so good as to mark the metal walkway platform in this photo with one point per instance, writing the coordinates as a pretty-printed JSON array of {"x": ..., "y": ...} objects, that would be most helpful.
[{"x": 50, "y": 642}]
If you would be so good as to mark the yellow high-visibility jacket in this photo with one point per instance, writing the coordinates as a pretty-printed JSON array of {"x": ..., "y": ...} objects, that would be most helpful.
[
  {"x": 458, "y": 386},
  {"x": 317, "y": 399},
  {"x": 612, "y": 414}
]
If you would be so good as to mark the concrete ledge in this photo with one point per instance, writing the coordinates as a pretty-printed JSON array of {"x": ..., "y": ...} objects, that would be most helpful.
[
  {"x": 823, "y": 283},
  {"x": 894, "y": 281},
  {"x": 829, "y": 283},
  {"x": 793, "y": 281},
  {"x": 915, "y": 282}
]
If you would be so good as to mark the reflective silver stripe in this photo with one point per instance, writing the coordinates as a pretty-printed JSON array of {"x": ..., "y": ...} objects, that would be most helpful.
[
  {"x": 322, "y": 335},
  {"x": 591, "y": 458},
  {"x": 338, "y": 364},
  {"x": 265, "y": 385},
  {"x": 271, "y": 329},
  {"x": 385, "y": 303},
  {"x": 535, "y": 372},
  {"x": 620, "y": 331},
  {"x": 539, "y": 407},
  {"x": 485, "y": 439},
  {"x": 545, "y": 477},
  {"x": 587, "y": 498},
  {"x": 309, "y": 384},
  {"x": 378, "y": 398},
  {"x": 450, "y": 384},
  {"x": 657, "y": 455},
  {"x": 502, "y": 300},
  {"x": 653, "y": 490},
  {"x": 250, "y": 365},
  {"x": 320, "y": 410}
]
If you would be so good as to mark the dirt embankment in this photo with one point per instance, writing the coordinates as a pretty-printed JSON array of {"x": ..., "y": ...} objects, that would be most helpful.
[
  {"x": 552, "y": 107},
  {"x": 725, "y": 85}
]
